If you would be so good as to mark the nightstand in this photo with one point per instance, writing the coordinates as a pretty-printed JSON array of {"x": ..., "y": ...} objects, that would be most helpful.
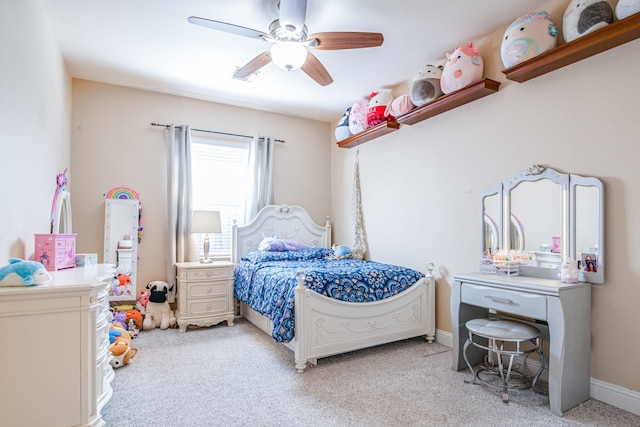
[{"x": 205, "y": 294}]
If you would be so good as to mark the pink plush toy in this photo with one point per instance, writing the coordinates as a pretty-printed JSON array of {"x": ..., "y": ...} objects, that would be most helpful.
[
  {"x": 528, "y": 36},
  {"x": 358, "y": 116},
  {"x": 463, "y": 67},
  {"x": 141, "y": 305},
  {"x": 378, "y": 110}
]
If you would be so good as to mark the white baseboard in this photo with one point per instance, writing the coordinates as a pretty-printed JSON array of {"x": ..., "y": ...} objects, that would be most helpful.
[{"x": 611, "y": 394}]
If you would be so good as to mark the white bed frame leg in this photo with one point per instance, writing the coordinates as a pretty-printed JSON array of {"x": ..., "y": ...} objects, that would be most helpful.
[
  {"x": 299, "y": 310},
  {"x": 431, "y": 302}
]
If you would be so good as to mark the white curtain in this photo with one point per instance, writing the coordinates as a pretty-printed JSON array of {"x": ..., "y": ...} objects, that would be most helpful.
[
  {"x": 259, "y": 177},
  {"x": 179, "y": 199},
  {"x": 359, "y": 248}
]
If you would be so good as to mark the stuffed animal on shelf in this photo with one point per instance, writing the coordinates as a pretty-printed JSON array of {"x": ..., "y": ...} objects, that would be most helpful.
[
  {"x": 21, "y": 272},
  {"x": 342, "y": 129},
  {"x": 463, "y": 67},
  {"x": 158, "y": 312},
  {"x": 425, "y": 86},
  {"x": 626, "y": 8},
  {"x": 358, "y": 116},
  {"x": 400, "y": 105},
  {"x": 378, "y": 109},
  {"x": 527, "y": 37},
  {"x": 582, "y": 17}
]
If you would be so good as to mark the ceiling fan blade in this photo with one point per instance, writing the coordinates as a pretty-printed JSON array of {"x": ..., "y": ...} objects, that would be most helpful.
[
  {"x": 345, "y": 40},
  {"x": 292, "y": 14},
  {"x": 316, "y": 70},
  {"x": 229, "y": 28},
  {"x": 254, "y": 65}
]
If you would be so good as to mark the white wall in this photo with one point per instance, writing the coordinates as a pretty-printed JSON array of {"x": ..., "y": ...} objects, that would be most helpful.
[
  {"x": 35, "y": 117},
  {"x": 114, "y": 144},
  {"x": 421, "y": 185}
]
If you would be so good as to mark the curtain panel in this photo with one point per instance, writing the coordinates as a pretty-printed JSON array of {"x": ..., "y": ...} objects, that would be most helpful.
[{"x": 260, "y": 176}]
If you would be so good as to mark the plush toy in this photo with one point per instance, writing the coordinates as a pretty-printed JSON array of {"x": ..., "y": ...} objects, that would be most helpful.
[
  {"x": 400, "y": 105},
  {"x": 585, "y": 16},
  {"x": 358, "y": 116},
  {"x": 134, "y": 316},
  {"x": 113, "y": 334},
  {"x": 626, "y": 8},
  {"x": 20, "y": 272},
  {"x": 463, "y": 67},
  {"x": 425, "y": 86},
  {"x": 158, "y": 312},
  {"x": 120, "y": 317},
  {"x": 121, "y": 353},
  {"x": 132, "y": 328},
  {"x": 342, "y": 251},
  {"x": 342, "y": 129},
  {"x": 378, "y": 109},
  {"x": 528, "y": 36},
  {"x": 141, "y": 304}
]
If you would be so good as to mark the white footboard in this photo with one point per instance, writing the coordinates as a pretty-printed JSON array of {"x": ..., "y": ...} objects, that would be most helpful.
[{"x": 326, "y": 327}]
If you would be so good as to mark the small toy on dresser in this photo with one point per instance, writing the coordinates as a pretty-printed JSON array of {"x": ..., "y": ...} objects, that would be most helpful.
[
  {"x": 21, "y": 272},
  {"x": 158, "y": 313}
]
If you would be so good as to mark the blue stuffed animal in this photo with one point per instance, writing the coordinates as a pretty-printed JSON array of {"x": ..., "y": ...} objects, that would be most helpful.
[{"x": 20, "y": 272}]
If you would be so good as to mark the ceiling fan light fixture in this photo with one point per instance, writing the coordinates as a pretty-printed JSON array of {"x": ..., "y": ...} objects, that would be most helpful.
[{"x": 288, "y": 55}]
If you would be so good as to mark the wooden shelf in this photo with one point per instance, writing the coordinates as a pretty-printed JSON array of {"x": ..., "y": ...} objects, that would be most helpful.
[
  {"x": 369, "y": 134},
  {"x": 613, "y": 35},
  {"x": 450, "y": 101},
  {"x": 433, "y": 108}
]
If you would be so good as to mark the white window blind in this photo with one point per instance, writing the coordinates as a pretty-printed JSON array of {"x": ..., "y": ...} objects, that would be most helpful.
[{"x": 219, "y": 178}]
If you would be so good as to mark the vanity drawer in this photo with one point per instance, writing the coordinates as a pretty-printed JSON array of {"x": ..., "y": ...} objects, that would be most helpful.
[
  {"x": 520, "y": 303},
  {"x": 208, "y": 307},
  {"x": 208, "y": 273},
  {"x": 218, "y": 288}
]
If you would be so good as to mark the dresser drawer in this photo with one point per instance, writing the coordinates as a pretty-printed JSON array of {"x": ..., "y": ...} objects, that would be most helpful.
[
  {"x": 520, "y": 303},
  {"x": 218, "y": 288},
  {"x": 208, "y": 307},
  {"x": 208, "y": 273}
]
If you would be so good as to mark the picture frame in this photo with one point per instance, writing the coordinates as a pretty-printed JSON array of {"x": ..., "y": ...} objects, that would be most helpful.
[{"x": 588, "y": 262}]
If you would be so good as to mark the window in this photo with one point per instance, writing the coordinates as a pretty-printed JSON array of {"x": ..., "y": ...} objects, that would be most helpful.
[{"x": 219, "y": 178}]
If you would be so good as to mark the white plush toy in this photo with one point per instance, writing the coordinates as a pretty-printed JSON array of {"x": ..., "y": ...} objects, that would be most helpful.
[
  {"x": 158, "y": 312},
  {"x": 626, "y": 8},
  {"x": 528, "y": 36},
  {"x": 425, "y": 86},
  {"x": 582, "y": 17}
]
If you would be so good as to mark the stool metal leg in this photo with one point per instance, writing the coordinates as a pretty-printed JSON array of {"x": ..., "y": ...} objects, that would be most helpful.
[{"x": 466, "y": 359}]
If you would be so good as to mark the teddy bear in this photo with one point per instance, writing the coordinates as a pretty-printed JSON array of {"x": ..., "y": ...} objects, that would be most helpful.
[{"x": 158, "y": 313}]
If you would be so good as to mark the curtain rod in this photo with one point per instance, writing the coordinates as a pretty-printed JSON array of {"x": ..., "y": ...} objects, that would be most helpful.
[{"x": 212, "y": 131}]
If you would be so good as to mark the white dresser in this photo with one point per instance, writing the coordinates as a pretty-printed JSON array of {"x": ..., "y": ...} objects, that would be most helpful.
[
  {"x": 205, "y": 293},
  {"x": 54, "y": 362}
]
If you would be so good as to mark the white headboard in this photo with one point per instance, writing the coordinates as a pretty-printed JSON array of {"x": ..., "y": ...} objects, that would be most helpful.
[{"x": 287, "y": 222}]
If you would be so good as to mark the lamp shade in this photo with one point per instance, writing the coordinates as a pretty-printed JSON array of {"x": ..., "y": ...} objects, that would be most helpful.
[
  {"x": 288, "y": 55},
  {"x": 206, "y": 222}
]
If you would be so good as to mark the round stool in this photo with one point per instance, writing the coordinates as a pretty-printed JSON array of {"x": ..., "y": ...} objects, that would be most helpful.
[{"x": 499, "y": 332}]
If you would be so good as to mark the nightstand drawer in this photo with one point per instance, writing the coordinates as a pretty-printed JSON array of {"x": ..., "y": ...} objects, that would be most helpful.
[
  {"x": 521, "y": 303},
  {"x": 208, "y": 307},
  {"x": 218, "y": 288},
  {"x": 208, "y": 273}
]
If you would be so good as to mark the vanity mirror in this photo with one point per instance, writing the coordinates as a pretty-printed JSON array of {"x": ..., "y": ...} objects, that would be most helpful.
[
  {"x": 552, "y": 216},
  {"x": 121, "y": 245}
]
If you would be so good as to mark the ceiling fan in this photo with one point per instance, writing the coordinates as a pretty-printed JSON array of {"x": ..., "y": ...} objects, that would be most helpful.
[{"x": 290, "y": 43}]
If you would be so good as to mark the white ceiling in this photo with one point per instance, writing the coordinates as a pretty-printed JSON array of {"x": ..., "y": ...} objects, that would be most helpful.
[{"x": 149, "y": 44}]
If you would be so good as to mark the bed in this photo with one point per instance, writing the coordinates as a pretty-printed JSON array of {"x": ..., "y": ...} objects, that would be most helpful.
[{"x": 325, "y": 326}]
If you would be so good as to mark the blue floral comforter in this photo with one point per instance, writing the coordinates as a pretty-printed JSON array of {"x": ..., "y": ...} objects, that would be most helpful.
[{"x": 265, "y": 281}]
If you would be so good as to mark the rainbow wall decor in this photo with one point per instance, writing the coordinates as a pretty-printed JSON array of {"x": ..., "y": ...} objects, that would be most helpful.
[{"x": 122, "y": 193}]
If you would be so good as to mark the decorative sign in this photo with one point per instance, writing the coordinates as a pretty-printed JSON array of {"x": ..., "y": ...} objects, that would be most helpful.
[{"x": 123, "y": 193}]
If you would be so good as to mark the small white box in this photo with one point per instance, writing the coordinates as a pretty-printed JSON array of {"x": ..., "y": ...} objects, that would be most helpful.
[{"x": 85, "y": 260}]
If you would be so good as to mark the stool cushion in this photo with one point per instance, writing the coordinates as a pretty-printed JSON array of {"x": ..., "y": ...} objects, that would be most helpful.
[{"x": 505, "y": 330}]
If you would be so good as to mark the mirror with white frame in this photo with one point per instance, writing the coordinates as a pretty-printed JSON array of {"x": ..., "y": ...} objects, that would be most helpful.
[
  {"x": 121, "y": 245},
  {"x": 552, "y": 216}
]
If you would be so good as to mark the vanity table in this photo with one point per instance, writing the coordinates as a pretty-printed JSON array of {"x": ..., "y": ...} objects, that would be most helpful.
[
  {"x": 561, "y": 310},
  {"x": 520, "y": 218}
]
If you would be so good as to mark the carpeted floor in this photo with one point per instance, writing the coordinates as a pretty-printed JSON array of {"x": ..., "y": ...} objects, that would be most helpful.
[{"x": 233, "y": 376}]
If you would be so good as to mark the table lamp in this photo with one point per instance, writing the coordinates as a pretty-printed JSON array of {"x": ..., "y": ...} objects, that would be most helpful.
[{"x": 206, "y": 222}]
